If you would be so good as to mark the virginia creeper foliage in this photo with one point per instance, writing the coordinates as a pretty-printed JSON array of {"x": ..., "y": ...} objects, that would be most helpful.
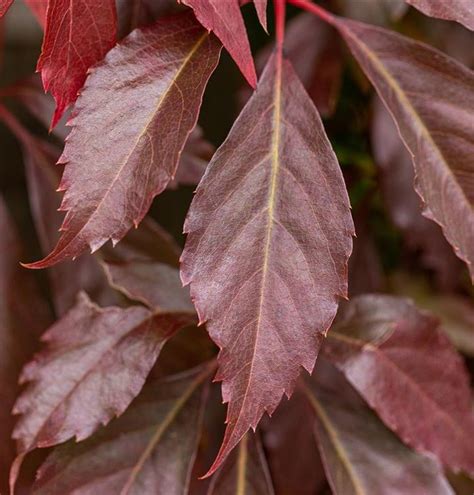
[{"x": 107, "y": 360}]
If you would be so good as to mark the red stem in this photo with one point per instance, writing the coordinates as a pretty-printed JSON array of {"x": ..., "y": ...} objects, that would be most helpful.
[
  {"x": 280, "y": 13},
  {"x": 314, "y": 9}
]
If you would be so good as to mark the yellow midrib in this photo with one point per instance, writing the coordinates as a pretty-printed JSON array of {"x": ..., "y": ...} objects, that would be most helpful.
[
  {"x": 336, "y": 442},
  {"x": 407, "y": 104},
  {"x": 164, "y": 425},
  {"x": 145, "y": 129}
]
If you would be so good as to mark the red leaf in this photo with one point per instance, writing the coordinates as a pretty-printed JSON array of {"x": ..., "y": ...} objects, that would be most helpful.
[
  {"x": 461, "y": 11},
  {"x": 131, "y": 160},
  {"x": 77, "y": 36},
  {"x": 270, "y": 222},
  {"x": 149, "y": 450},
  {"x": 360, "y": 455},
  {"x": 431, "y": 100},
  {"x": 286, "y": 434},
  {"x": 261, "y": 8},
  {"x": 396, "y": 180},
  {"x": 156, "y": 285},
  {"x": 96, "y": 361},
  {"x": 4, "y": 6},
  {"x": 225, "y": 20},
  {"x": 23, "y": 316},
  {"x": 245, "y": 471},
  {"x": 39, "y": 9},
  {"x": 392, "y": 354}
]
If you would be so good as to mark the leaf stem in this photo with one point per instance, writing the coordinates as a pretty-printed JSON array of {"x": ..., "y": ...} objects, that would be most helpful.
[
  {"x": 280, "y": 13},
  {"x": 314, "y": 9}
]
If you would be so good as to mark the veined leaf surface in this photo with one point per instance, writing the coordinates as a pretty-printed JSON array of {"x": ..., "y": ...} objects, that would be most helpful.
[
  {"x": 115, "y": 166},
  {"x": 148, "y": 451},
  {"x": 431, "y": 98},
  {"x": 269, "y": 235},
  {"x": 77, "y": 35},
  {"x": 461, "y": 11}
]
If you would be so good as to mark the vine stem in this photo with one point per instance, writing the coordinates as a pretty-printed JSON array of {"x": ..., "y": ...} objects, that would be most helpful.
[{"x": 314, "y": 9}]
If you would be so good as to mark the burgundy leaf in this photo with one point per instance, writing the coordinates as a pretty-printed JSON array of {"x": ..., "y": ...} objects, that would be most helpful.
[
  {"x": 77, "y": 36},
  {"x": 270, "y": 222},
  {"x": 285, "y": 435},
  {"x": 461, "y": 11},
  {"x": 392, "y": 354},
  {"x": 96, "y": 361},
  {"x": 149, "y": 450},
  {"x": 244, "y": 472},
  {"x": 156, "y": 285},
  {"x": 137, "y": 156},
  {"x": 431, "y": 99},
  {"x": 149, "y": 242},
  {"x": 360, "y": 455},
  {"x": 39, "y": 9},
  {"x": 227, "y": 23},
  {"x": 4, "y": 6},
  {"x": 261, "y": 8},
  {"x": 397, "y": 178},
  {"x": 23, "y": 317}
]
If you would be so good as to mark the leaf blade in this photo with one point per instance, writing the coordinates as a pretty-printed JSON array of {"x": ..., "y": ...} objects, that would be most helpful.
[
  {"x": 390, "y": 352},
  {"x": 360, "y": 455},
  {"x": 461, "y": 11},
  {"x": 88, "y": 347},
  {"x": 137, "y": 453},
  {"x": 225, "y": 20},
  {"x": 75, "y": 39},
  {"x": 434, "y": 116},
  {"x": 265, "y": 218},
  {"x": 139, "y": 169}
]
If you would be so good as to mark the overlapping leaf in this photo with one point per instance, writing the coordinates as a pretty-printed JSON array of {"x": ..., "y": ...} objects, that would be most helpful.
[
  {"x": 285, "y": 434},
  {"x": 156, "y": 285},
  {"x": 431, "y": 98},
  {"x": 244, "y": 472},
  {"x": 270, "y": 222},
  {"x": 226, "y": 21},
  {"x": 4, "y": 6},
  {"x": 23, "y": 316},
  {"x": 404, "y": 205},
  {"x": 96, "y": 361},
  {"x": 77, "y": 36},
  {"x": 409, "y": 373},
  {"x": 461, "y": 11},
  {"x": 128, "y": 161},
  {"x": 149, "y": 450},
  {"x": 361, "y": 456}
]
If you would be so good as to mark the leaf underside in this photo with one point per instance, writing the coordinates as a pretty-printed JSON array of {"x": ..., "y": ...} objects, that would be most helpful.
[{"x": 269, "y": 235}]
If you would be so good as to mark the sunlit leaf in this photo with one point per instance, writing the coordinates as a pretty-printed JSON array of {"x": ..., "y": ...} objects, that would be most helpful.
[{"x": 461, "y": 11}]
